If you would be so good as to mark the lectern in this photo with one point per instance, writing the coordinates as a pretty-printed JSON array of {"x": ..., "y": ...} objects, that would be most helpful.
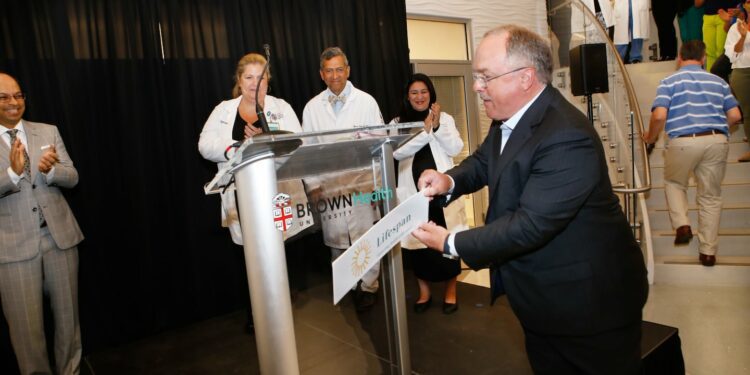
[{"x": 256, "y": 167}]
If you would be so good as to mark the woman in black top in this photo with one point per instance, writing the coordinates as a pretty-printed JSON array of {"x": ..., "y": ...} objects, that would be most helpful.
[{"x": 433, "y": 148}]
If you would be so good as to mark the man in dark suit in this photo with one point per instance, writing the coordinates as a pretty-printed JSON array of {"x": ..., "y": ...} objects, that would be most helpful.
[
  {"x": 555, "y": 237},
  {"x": 38, "y": 237}
]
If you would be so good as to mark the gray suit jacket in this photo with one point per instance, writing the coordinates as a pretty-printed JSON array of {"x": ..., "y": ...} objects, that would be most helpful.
[{"x": 19, "y": 221}]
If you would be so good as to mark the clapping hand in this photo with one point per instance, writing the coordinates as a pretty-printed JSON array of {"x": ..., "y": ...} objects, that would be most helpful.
[
  {"x": 724, "y": 15},
  {"x": 48, "y": 159},
  {"x": 17, "y": 157},
  {"x": 742, "y": 28},
  {"x": 433, "y": 118}
]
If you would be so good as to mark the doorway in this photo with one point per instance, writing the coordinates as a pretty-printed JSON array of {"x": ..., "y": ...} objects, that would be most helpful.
[{"x": 452, "y": 80}]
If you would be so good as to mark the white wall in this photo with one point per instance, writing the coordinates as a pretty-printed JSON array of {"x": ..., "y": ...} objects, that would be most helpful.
[{"x": 485, "y": 14}]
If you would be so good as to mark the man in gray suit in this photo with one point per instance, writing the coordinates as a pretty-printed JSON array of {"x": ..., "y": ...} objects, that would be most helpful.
[{"x": 38, "y": 237}]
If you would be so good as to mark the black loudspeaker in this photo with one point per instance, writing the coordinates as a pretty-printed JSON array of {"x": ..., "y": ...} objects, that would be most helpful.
[{"x": 588, "y": 69}]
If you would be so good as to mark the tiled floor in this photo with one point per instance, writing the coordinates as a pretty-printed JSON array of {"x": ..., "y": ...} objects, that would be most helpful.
[
  {"x": 713, "y": 323},
  {"x": 480, "y": 339}
]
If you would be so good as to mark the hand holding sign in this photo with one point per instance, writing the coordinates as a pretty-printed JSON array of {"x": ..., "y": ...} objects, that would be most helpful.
[
  {"x": 432, "y": 235},
  {"x": 432, "y": 183},
  {"x": 376, "y": 243}
]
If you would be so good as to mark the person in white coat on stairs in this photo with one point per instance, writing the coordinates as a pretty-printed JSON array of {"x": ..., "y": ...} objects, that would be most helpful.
[
  {"x": 602, "y": 9},
  {"x": 632, "y": 20}
]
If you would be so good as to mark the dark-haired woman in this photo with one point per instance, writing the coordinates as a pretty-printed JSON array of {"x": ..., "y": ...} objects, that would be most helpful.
[{"x": 434, "y": 148}]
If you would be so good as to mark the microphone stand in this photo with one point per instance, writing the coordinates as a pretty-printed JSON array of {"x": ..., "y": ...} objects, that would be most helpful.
[{"x": 258, "y": 107}]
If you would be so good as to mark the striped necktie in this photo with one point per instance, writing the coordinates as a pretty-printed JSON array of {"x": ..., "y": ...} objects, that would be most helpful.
[
  {"x": 26, "y": 164},
  {"x": 27, "y": 168}
]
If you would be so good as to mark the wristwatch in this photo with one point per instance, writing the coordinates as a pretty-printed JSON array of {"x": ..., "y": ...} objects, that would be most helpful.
[{"x": 447, "y": 250}]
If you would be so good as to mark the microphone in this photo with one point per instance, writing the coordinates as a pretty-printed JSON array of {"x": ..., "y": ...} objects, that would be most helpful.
[
  {"x": 267, "y": 48},
  {"x": 259, "y": 108}
]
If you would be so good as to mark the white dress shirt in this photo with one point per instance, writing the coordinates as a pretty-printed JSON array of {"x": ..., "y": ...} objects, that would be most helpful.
[
  {"x": 741, "y": 59},
  {"x": 21, "y": 134},
  {"x": 507, "y": 128}
]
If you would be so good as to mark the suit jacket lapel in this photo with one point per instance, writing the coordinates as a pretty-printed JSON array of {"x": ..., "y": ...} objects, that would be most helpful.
[
  {"x": 33, "y": 139},
  {"x": 522, "y": 132},
  {"x": 4, "y": 153}
]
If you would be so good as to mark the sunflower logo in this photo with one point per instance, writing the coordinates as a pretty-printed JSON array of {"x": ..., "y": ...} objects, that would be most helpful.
[{"x": 361, "y": 258}]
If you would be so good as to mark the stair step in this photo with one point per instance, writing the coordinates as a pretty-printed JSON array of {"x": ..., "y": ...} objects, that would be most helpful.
[
  {"x": 728, "y": 271},
  {"x": 730, "y": 194},
  {"x": 645, "y": 79},
  {"x": 743, "y": 261},
  {"x": 722, "y": 232},
  {"x": 731, "y": 243},
  {"x": 730, "y": 219},
  {"x": 694, "y": 206}
]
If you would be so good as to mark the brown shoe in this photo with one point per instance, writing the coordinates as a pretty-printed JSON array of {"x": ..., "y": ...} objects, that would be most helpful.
[
  {"x": 683, "y": 235},
  {"x": 707, "y": 260},
  {"x": 744, "y": 157}
]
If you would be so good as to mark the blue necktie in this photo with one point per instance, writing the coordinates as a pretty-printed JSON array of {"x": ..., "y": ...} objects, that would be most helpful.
[{"x": 506, "y": 134}]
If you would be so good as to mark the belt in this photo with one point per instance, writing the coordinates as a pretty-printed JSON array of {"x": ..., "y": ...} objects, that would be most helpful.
[{"x": 700, "y": 134}]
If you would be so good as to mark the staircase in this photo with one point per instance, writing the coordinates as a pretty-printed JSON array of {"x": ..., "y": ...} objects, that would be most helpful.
[{"x": 679, "y": 264}]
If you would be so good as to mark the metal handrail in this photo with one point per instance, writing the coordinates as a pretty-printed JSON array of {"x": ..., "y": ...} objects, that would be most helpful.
[
  {"x": 632, "y": 196},
  {"x": 632, "y": 99}
]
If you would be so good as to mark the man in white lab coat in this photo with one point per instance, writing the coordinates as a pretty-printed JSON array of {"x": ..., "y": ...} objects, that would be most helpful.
[
  {"x": 632, "y": 20},
  {"x": 343, "y": 106}
]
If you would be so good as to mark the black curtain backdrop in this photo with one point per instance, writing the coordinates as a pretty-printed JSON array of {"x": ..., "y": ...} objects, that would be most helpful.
[{"x": 130, "y": 84}]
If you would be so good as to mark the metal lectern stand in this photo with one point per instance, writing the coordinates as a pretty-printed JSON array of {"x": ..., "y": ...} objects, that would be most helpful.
[{"x": 257, "y": 166}]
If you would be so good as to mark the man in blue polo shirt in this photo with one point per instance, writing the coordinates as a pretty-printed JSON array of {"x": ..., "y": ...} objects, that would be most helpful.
[{"x": 697, "y": 108}]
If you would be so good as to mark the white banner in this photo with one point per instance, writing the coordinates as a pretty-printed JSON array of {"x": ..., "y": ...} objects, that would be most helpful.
[{"x": 376, "y": 242}]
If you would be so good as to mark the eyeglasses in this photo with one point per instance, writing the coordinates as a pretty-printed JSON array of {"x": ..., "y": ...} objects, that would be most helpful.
[
  {"x": 482, "y": 80},
  {"x": 5, "y": 98},
  {"x": 339, "y": 70}
]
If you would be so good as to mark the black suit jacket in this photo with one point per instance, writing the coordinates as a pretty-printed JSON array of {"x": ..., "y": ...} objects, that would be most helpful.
[{"x": 555, "y": 233}]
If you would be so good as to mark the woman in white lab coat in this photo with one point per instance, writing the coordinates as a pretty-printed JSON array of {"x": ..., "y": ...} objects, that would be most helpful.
[
  {"x": 434, "y": 148},
  {"x": 234, "y": 121},
  {"x": 633, "y": 29}
]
